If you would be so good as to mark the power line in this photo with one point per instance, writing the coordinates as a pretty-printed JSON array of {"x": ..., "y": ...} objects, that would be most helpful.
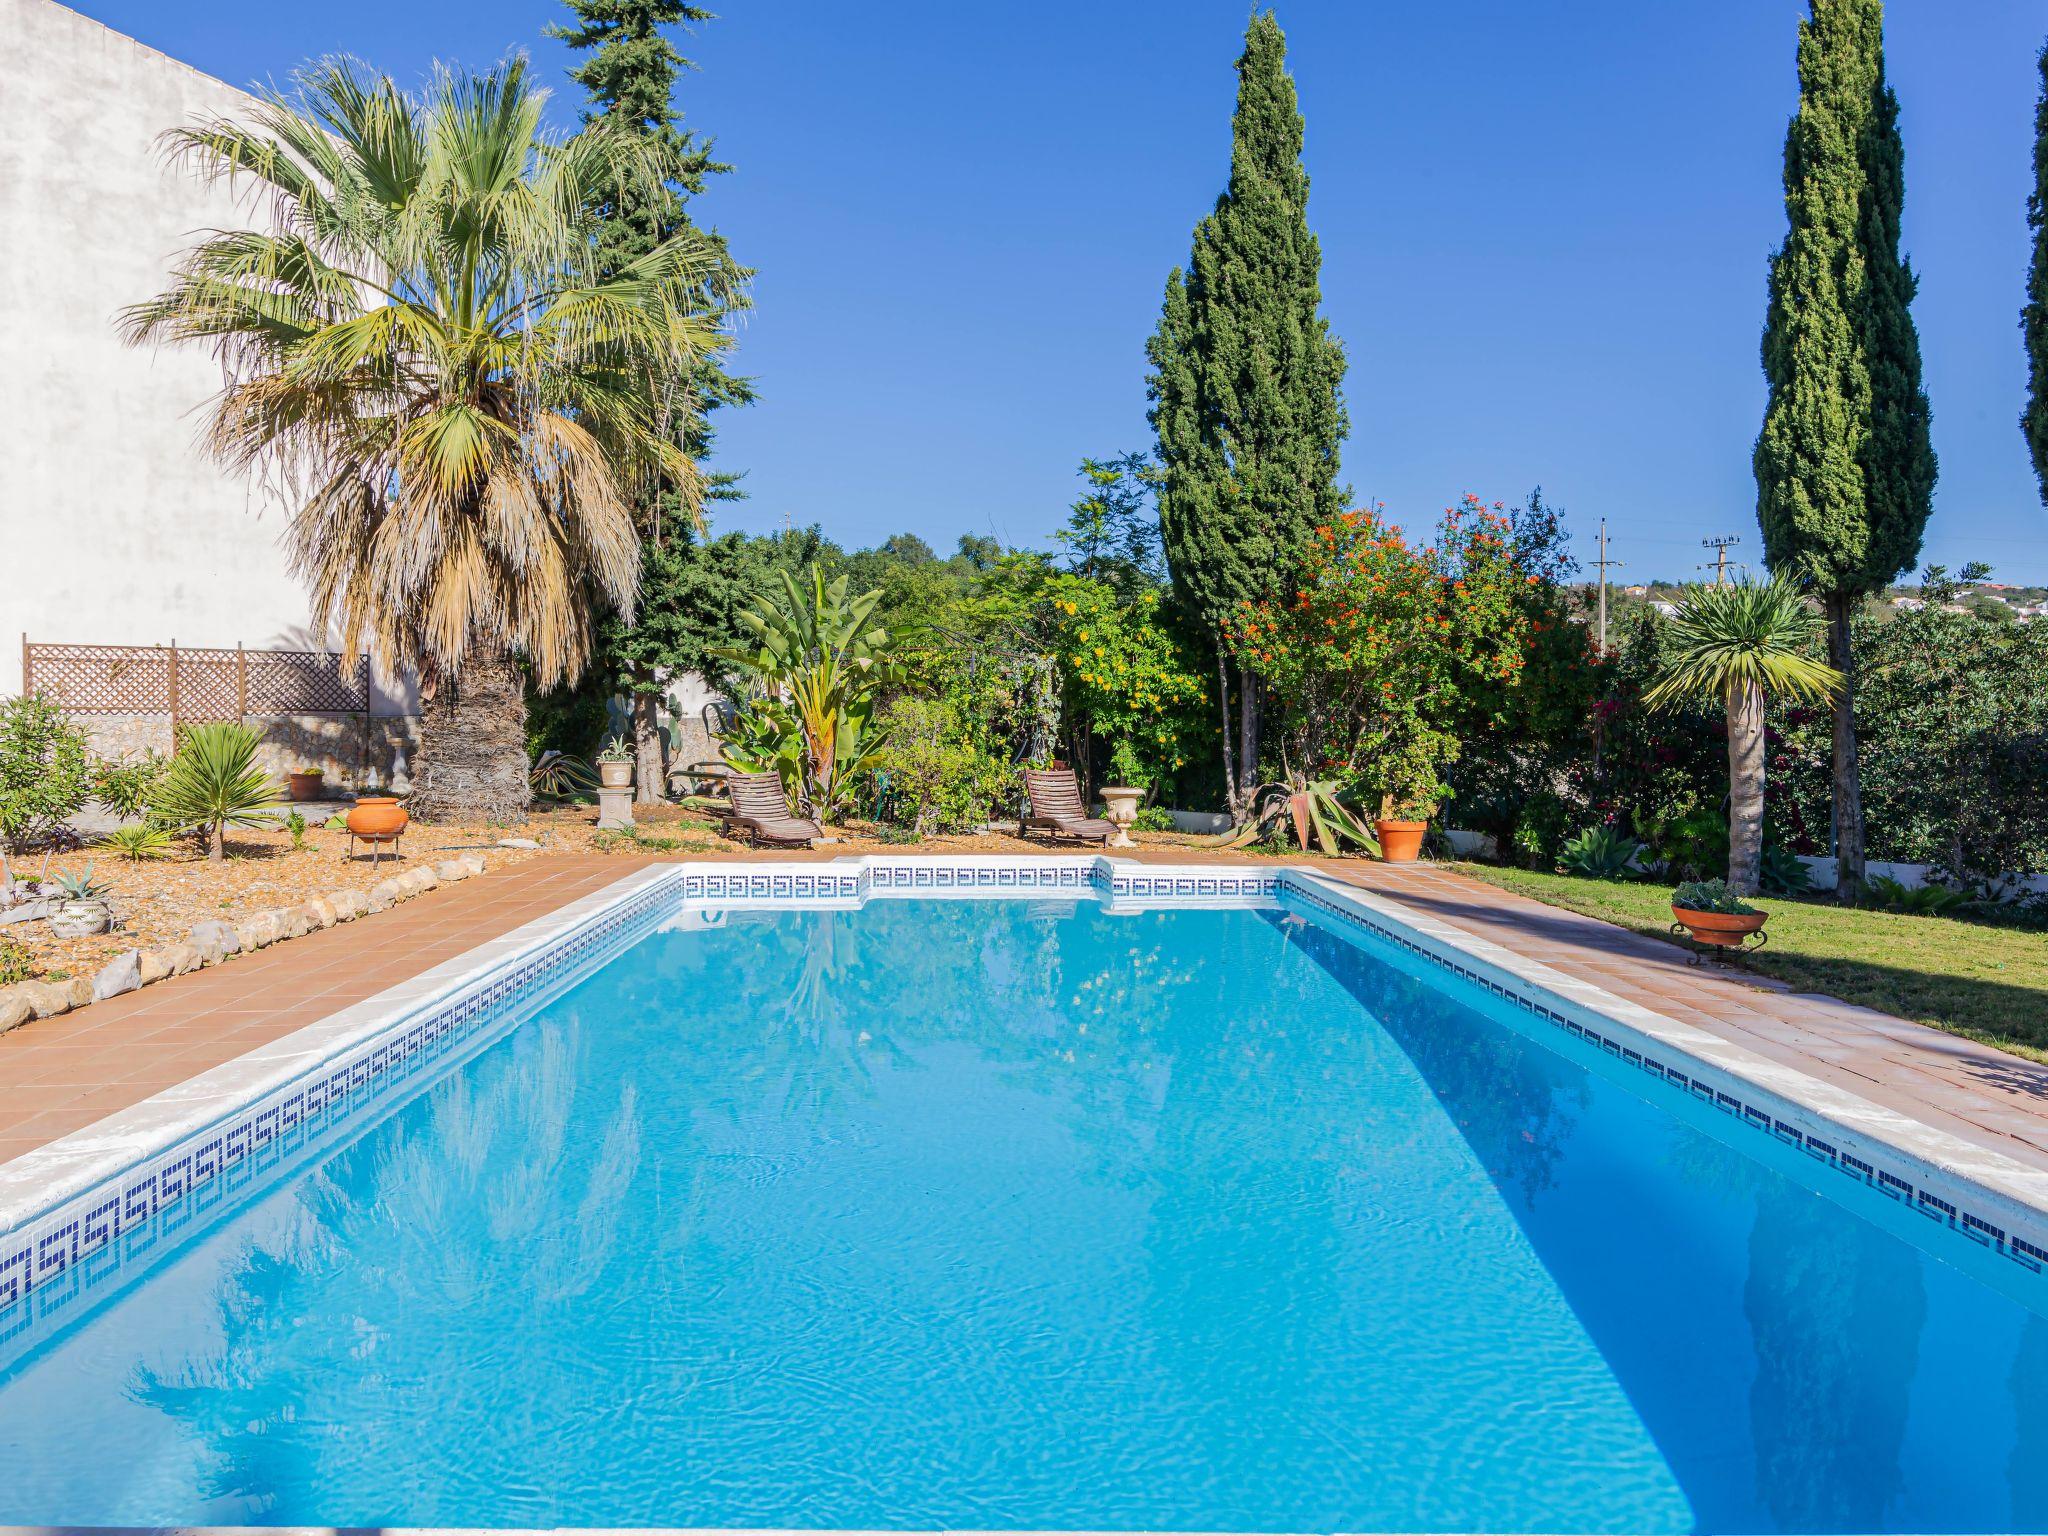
[{"x": 1720, "y": 547}]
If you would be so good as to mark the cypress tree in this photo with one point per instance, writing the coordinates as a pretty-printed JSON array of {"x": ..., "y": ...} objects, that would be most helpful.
[
  {"x": 2034, "y": 317},
  {"x": 1844, "y": 464},
  {"x": 630, "y": 73},
  {"x": 1246, "y": 379}
]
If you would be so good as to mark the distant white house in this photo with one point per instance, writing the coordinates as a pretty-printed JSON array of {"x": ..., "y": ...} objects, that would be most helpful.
[{"x": 115, "y": 526}]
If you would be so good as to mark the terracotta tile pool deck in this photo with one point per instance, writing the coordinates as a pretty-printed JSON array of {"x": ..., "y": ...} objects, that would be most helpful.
[{"x": 61, "y": 1074}]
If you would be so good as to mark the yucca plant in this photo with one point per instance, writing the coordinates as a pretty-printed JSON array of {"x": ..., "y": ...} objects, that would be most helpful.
[
  {"x": 1739, "y": 643},
  {"x": 423, "y": 336},
  {"x": 136, "y": 841},
  {"x": 818, "y": 666},
  {"x": 213, "y": 783}
]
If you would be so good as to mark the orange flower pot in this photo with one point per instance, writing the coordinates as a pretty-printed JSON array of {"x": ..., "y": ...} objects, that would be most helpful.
[
  {"x": 378, "y": 816},
  {"x": 307, "y": 786},
  {"x": 1400, "y": 841},
  {"x": 1725, "y": 929}
]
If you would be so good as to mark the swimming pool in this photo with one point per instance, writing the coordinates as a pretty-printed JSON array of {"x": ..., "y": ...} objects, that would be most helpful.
[{"x": 1035, "y": 1213}]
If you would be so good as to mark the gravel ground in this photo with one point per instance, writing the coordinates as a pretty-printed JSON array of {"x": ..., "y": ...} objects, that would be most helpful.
[{"x": 157, "y": 901}]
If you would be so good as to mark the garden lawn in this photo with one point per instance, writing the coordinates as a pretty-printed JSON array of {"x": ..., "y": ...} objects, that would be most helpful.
[{"x": 1976, "y": 979}]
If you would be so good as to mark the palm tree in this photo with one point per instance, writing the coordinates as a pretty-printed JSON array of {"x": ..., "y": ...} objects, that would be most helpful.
[
  {"x": 1739, "y": 643},
  {"x": 419, "y": 344}
]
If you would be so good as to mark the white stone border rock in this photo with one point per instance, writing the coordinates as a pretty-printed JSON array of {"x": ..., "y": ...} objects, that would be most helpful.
[{"x": 217, "y": 940}]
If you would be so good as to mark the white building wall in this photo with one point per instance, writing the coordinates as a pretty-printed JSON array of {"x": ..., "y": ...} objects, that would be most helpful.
[{"x": 114, "y": 527}]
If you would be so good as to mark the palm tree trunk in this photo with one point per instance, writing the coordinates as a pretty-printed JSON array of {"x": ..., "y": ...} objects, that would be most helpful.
[
  {"x": 472, "y": 760},
  {"x": 650, "y": 771},
  {"x": 1848, "y": 780},
  {"x": 1745, "y": 788}
]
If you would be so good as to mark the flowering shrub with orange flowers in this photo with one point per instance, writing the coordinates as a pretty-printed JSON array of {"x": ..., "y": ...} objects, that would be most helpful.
[{"x": 1379, "y": 654}]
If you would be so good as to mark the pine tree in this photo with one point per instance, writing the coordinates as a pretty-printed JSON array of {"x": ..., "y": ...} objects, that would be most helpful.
[
  {"x": 630, "y": 74},
  {"x": 1246, "y": 379},
  {"x": 1844, "y": 464},
  {"x": 2034, "y": 317}
]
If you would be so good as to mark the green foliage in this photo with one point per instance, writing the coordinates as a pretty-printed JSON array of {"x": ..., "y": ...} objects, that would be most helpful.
[
  {"x": 1600, "y": 853},
  {"x": 1245, "y": 374},
  {"x": 123, "y": 785},
  {"x": 1929, "y": 900},
  {"x": 1125, "y": 766},
  {"x": 2034, "y": 317},
  {"x": 1319, "y": 812},
  {"x": 295, "y": 824},
  {"x": 1712, "y": 896},
  {"x": 939, "y": 779},
  {"x": 1152, "y": 818},
  {"x": 570, "y": 720},
  {"x": 1844, "y": 464},
  {"x": 1539, "y": 831},
  {"x": 136, "y": 841},
  {"x": 45, "y": 772},
  {"x": 1782, "y": 872},
  {"x": 818, "y": 666},
  {"x": 616, "y": 750},
  {"x": 1126, "y": 679},
  {"x": 213, "y": 783},
  {"x": 1692, "y": 844},
  {"x": 17, "y": 962},
  {"x": 1112, "y": 532}
]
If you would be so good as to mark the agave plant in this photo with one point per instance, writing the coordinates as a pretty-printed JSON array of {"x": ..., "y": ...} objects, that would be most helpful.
[
  {"x": 1914, "y": 900},
  {"x": 1600, "y": 853},
  {"x": 1316, "y": 810},
  {"x": 561, "y": 776},
  {"x": 818, "y": 665},
  {"x": 213, "y": 783},
  {"x": 1738, "y": 643}
]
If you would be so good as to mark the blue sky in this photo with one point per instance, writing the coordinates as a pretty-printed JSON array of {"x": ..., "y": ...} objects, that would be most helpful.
[{"x": 1544, "y": 228}]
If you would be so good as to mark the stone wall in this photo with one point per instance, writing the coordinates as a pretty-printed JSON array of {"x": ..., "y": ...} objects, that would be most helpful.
[{"x": 350, "y": 749}]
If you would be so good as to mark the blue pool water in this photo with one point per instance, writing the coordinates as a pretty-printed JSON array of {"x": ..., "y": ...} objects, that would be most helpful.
[{"x": 1020, "y": 1214}]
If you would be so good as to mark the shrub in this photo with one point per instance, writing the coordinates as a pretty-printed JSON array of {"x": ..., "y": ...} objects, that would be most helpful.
[
  {"x": 1692, "y": 845},
  {"x": 938, "y": 780},
  {"x": 45, "y": 772},
  {"x": 1540, "y": 829},
  {"x": 1916, "y": 901},
  {"x": 1600, "y": 853},
  {"x": 123, "y": 785},
  {"x": 213, "y": 783},
  {"x": 1152, "y": 818},
  {"x": 17, "y": 962},
  {"x": 1783, "y": 874},
  {"x": 1712, "y": 896}
]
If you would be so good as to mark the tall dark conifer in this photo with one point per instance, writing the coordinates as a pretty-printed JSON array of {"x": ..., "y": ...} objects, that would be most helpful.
[
  {"x": 630, "y": 73},
  {"x": 2034, "y": 317},
  {"x": 1246, "y": 380},
  {"x": 1845, "y": 462}
]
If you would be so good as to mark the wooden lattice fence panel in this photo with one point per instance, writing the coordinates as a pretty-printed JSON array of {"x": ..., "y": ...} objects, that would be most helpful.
[{"x": 193, "y": 685}]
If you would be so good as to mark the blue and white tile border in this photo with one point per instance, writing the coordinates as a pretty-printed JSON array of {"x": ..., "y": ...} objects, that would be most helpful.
[{"x": 69, "y": 1211}]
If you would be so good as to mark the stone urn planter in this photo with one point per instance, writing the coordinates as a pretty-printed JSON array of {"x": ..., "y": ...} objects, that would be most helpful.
[
  {"x": 378, "y": 817},
  {"x": 1400, "y": 841},
  {"x": 1120, "y": 809},
  {"x": 307, "y": 783},
  {"x": 615, "y": 775}
]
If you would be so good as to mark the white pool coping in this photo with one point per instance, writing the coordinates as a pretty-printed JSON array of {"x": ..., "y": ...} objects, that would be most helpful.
[{"x": 54, "y": 1183}]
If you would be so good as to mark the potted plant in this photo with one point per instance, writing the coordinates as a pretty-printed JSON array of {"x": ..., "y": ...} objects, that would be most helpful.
[
  {"x": 81, "y": 909},
  {"x": 1408, "y": 773},
  {"x": 615, "y": 764},
  {"x": 1713, "y": 913},
  {"x": 307, "y": 783},
  {"x": 1120, "y": 799}
]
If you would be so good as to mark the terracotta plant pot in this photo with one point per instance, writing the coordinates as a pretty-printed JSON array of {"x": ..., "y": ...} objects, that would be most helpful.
[
  {"x": 308, "y": 785},
  {"x": 1400, "y": 841},
  {"x": 378, "y": 816},
  {"x": 1725, "y": 929},
  {"x": 615, "y": 775}
]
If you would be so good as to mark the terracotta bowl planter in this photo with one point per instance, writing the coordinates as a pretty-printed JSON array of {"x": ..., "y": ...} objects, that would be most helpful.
[
  {"x": 307, "y": 786},
  {"x": 378, "y": 816},
  {"x": 1400, "y": 841},
  {"x": 1724, "y": 929}
]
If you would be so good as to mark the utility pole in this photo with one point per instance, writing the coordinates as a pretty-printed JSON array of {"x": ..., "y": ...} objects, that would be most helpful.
[
  {"x": 1720, "y": 547},
  {"x": 1601, "y": 565}
]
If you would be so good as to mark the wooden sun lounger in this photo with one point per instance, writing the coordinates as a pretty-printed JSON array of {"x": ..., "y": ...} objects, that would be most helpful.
[
  {"x": 1055, "y": 807},
  {"x": 761, "y": 810}
]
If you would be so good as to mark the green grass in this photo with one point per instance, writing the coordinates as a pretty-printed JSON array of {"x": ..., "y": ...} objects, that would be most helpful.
[{"x": 1981, "y": 980}]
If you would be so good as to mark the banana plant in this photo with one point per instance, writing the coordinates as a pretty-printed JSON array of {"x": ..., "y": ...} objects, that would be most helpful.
[{"x": 819, "y": 666}]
